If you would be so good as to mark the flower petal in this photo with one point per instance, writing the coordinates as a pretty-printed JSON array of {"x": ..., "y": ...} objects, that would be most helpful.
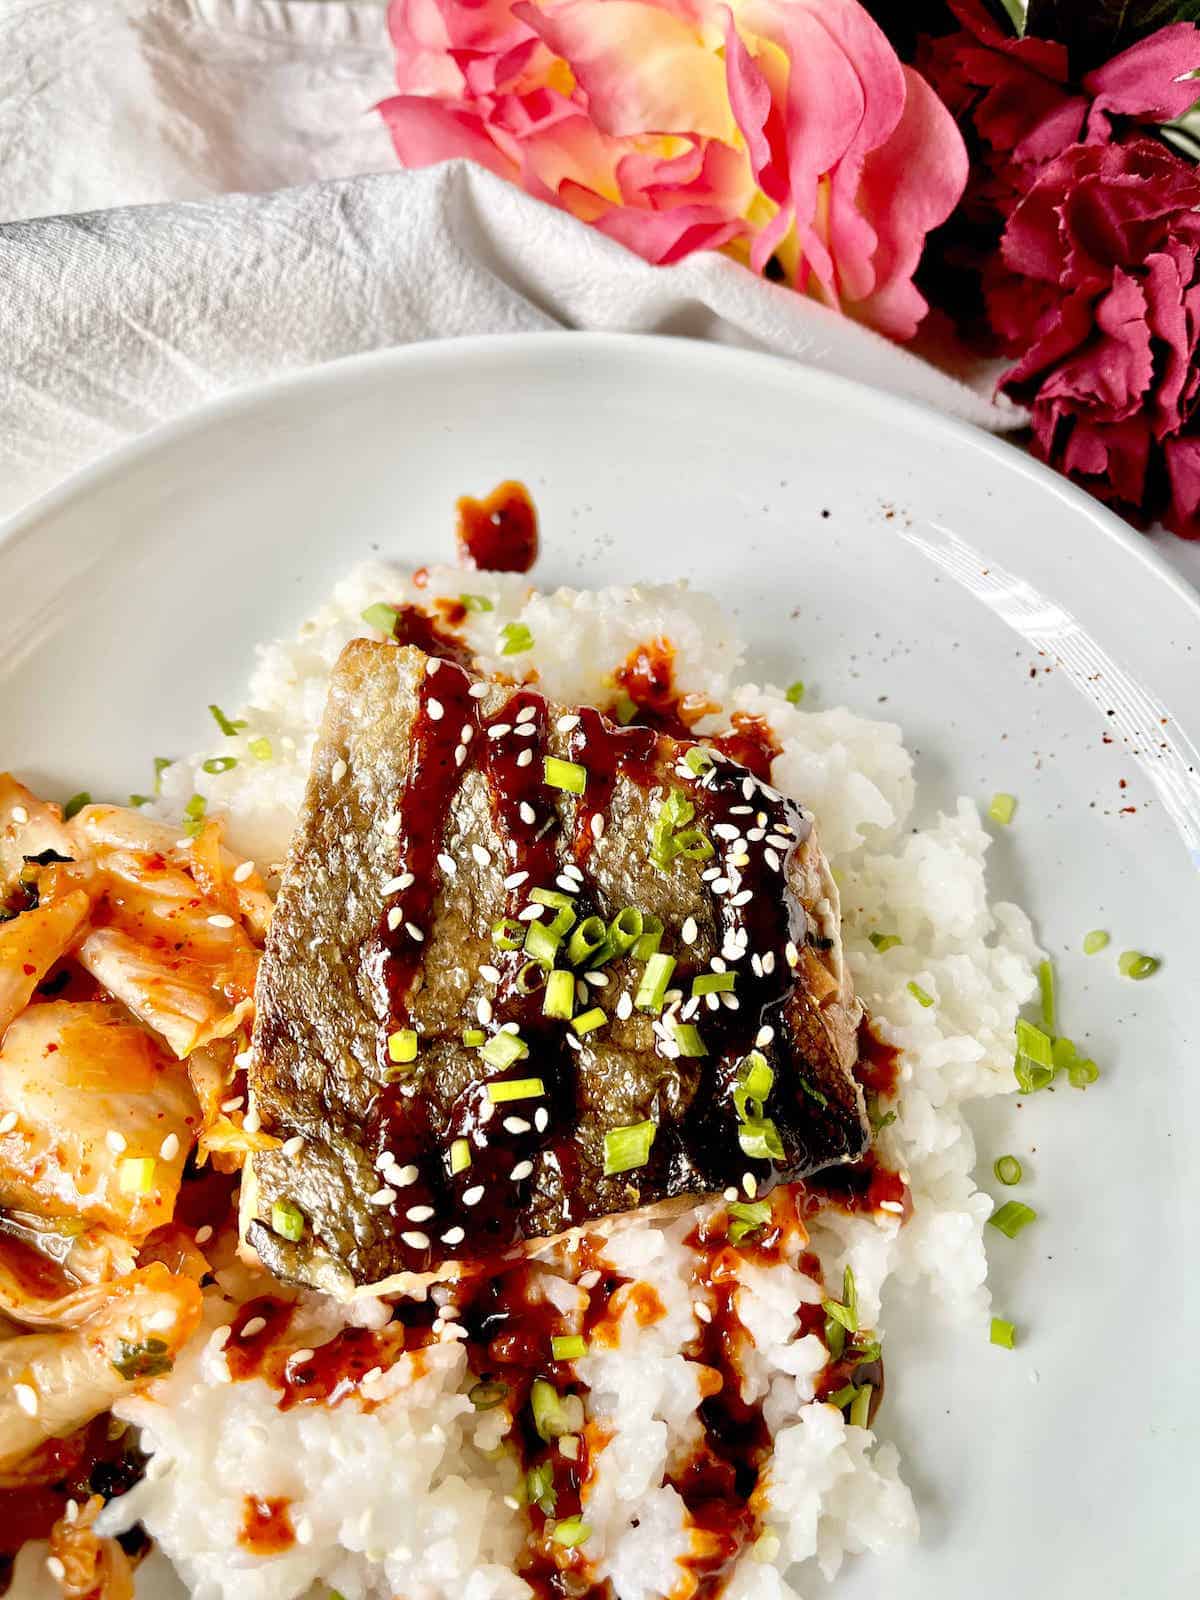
[{"x": 425, "y": 132}]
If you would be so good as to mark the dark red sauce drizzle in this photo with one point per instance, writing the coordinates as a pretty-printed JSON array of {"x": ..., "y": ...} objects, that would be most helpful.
[
  {"x": 266, "y": 1528},
  {"x": 500, "y": 532}
]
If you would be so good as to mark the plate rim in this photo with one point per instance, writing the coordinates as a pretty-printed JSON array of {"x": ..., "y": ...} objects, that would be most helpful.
[{"x": 110, "y": 467}]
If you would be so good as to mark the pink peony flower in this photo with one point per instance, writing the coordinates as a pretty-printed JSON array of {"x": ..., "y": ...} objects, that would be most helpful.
[
  {"x": 784, "y": 132},
  {"x": 1109, "y": 238}
]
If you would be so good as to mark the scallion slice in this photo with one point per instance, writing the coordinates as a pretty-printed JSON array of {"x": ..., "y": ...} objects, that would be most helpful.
[
  {"x": 1094, "y": 941},
  {"x": 625, "y": 930},
  {"x": 568, "y": 776},
  {"x": 714, "y": 983},
  {"x": 884, "y": 941},
  {"x": 687, "y": 1037},
  {"x": 1011, "y": 1217},
  {"x": 571, "y": 1531},
  {"x": 1003, "y": 808},
  {"x": 627, "y": 1148},
  {"x": 507, "y": 1089},
  {"x": 921, "y": 996},
  {"x": 551, "y": 1416},
  {"x": 860, "y": 1406},
  {"x": 140, "y": 799},
  {"x": 475, "y": 602},
  {"x": 1082, "y": 1072},
  {"x": 539, "y": 1486},
  {"x": 515, "y": 639},
  {"x": 486, "y": 1396},
  {"x": 135, "y": 1174},
  {"x": 1003, "y": 1333},
  {"x": 402, "y": 1046},
  {"x": 287, "y": 1220},
  {"x": 835, "y": 1338},
  {"x": 216, "y": 764},
  {"x": 586, "y": 940},
  {"x": 1046, "y": 991},
  {"x": 161, "y": 763},
  {"x": 260, "y": 748},
  {"x": 698, "y": 761},
  {"x": 501, "y": 1050},
  {"x": 473, "y": 1038},
  {"x": 653, "y": 985},
  {"x": 1008, "y": 1169},
  {"x": 381, "y": 616},
  {"x": 748, "y": 1217},
  {"x": 531, "y": 977},
  {"x": 76, "y": 804},
  {"x": 559, "y": 998},
  {"x": 841, "y": 1398},
  {"x": 588, "y": 1021},
  {"x": 759, "y": 1139},
  {"x": 794, "y": 692},
  {"x": 226, "y": 724},
  {"x": 508, "y": 933},
  {"x": 541, "y": 944},
  {"x": 1133, "y": 964},
  {"x": 460, "y": 1155},
  {"x": 1034, "y": 1064},
  {"x": 844, "y": 1310},
  {"x": 193, "y": 815},
  {"x": 554, "y": 898},
  {"x": 624, "y": 708},
  {"x": 755, "y": 1079},
  {"x": 652, "y": 932},
  {"x": 567, "y": 1347}
]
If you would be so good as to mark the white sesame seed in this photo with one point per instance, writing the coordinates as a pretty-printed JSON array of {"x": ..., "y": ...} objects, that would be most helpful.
[
  {"x": 710, "y": 874},
  {"x": 169, "y": 1148},
  {"x": 742, "y": 899},
  {"x": 478, "y": 690},
  {"x": 529, "y": 913},
  {"x": 525, "y": 731},
  {"x": 792, "y": 954},
  {"x": 526, "y": 714},
  {"x": 741, "y": 811},
  {"x": 772, "y": 859},
  {"x": 566, "y": 723},
  {"x": 252, "y": 1122},
  {"x": 403, "y": 1176},
  {"x": 460, "y": 754},
  {"x": 750, "y": 1184},
  {"x": 72, "y": 1510},
  {"x": 253, "y": 1326},
  {"x": 466, "y": 733},
  {"x": 482, "y": 857},
  {"x": 690, "y": 931},
  {"x": 598, "y": 980},
  {"x": 447, "y": 863},
  {"x": 393, "y": 885},
  {"x": 726, "y": 830},
  {"x": 764, "y": 1036},
  {"x": 702, "y": 1311},
  {"x": 234, "y": 1103},
  {"x": 756, "y": 965},
  {"x": 712, "y": 1001},
  {"x": 731, "y": 1194},
  {"x": 748, "y": 788},
  {"x": 435, "y": 709},
  {"x": 499, "y": 729},
  {"x": 416, "y": 1240},
  {"x": 754, "y": 835},
  {"x": 115, "y": 1141},
  {"x": 394, "y": 823},
  {"x": 183, "y": 844},
  {"x": 204, "y": 1234},
  {"x": 294, "y": 1145},
  {"x": 473, "y": 1195},
  {"x": 669, "y": 1049},
  {"x": 568, "y": 885},
  {"x": 433, "y": 664},
  {"x": 419, "y": 1213},
  {"x": 720, "y": 885},
  {"x": 19, "y": 815},
  {"x": 8, "y": 1122},
  {"x": 303, "y": 1530},
  {"x": 515, "y": 880},
  {"x": 490, "y": 974},
  {"x": 779, "y": 841},
  {"x": 243, "y": 871},
  {"x": 572, "y": 871},
  {"x": 624, "y": 1005},
  {"x": 522, "y": 1170},
  {"x": 510, "y": 1027},
  {"x": 891, "y": 1205},
  {"x": 541, "y": 1119},
  {"x": 525, "y": 758},
  {"x": 512, "y": 1502},
  {"x": 454, "y": 1236},
  {"x": 690, "y": 1008},
  {"x": 382, "y": 1197},
  {"x": 220, "y": 920},
  {"x": 394, "y": 918},
  {"x": 516, "y": 1125},
  {"x": 55, "y": 1568},
  {"x": 589, "y": 1279},
  {"x": 768, "y": 961},
  {"x": 597, "y": 824},
  {"x": 526, "y": 812},
  {"x": 414, "y": 932},
  {"x": 483, "y": 1009},
  {"x": 573, "y": 1043},
  {"x": 26, "y": 1397}
]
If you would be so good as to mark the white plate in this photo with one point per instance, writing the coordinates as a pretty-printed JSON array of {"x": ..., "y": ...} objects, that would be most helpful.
[{"x": 897, "y": 562}]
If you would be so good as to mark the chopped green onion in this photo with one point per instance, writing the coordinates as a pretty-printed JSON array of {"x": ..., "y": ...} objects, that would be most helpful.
[
  {"x": 1094, "y": 941},
  {"x": 866, "y": 1350},
  {"x": 625, "y": 708},
  {"x": 1063, "y": 1053},
  {"x": 381, "y": 616},
  {"x": 1003, "y": 808},
  {"x": 714, "y": 983},
  {"x": 585, "y": 940},
  {"x": 698, "y": 761},
  {"x": 140, "y": 799},
  {"x": 588, "y": 1021},
  {"x": 885, "y": 941},
  {"x": 1008, "y": 1170},
  {"x": 835, "y": 1338},
  {"x": 161, "y": 763},
  {"x": 1034, "y": 1064},
  {"x": 687, "y": 1037},
  {"x": 219, "y": 764},
  {"x": 562, "y": 922},
  {"x": 402, "y": 1045},
  {"x": 516, "y": 639},
  {"x": 502, "y": 1049},
  {"x": 844, "y": 1310},
  {"x": 287, "y": 1220},
  {"x": 485, "y": 1396},
  {"x": 227, "y": 727},
  {"x": 1135, "y": 965},
  {"x": 921, "y": 996},
  {"x": 531, "y": 977},
  {"x": 539, "y": 1486},
  {"x": 813, "y": 1092},
  {"x": 76, "y": 804},
  {"x": 460, "y": 1155},
  {"x": 193, "y": 815},
  {"x": 860, "y": 1406},
  {"x": 652, "y": 932},
  {"x": 571, "y": 1531},
  {"x": 1046, "y": 990},
  {"x": 566, "y": 775},
  {"x": 759, "y": 1139},
  {"x": 541, "y": 944},
  {"x": 508, "y": 933},
  {"x": 794, "y": 692},
  {"x": 627, "y": 1148},
  {"x": 260, "y": 748},
  {"x": 841, "y": 1398},
  {"x": 475, "y": 602},
  {"x": 567, "y": 1347},
  {"x": 554, "y": 898},
  {"x": 135, "y": 1174},
  {"x": 653, "y": 985},
  {"x": 474, "y": 1037},
  {"x": 1081, "y": 1073},
  {"x": 514, "y": 1088},
  {"x": 625, "y": 930},
  {"x": 674, "y": 813},
  {"x": 552, "y": 1417},
  {"x": 1003, "y": 1333},
  {"x": 559, "y": 999},
  {"x": 1012, "y": 1216},
  {"x": 747, "y": 1218},
  {"x": 753, "y": 1086}
]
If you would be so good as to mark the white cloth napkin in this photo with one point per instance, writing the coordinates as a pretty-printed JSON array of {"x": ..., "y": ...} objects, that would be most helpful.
[{"x": 112, "y": 320}]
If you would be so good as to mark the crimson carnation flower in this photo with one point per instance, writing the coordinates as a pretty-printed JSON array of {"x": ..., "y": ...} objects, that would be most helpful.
[{"x": 1108, "y": 237}]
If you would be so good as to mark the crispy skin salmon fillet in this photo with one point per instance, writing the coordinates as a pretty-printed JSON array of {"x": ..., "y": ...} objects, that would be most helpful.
[{"x": 434, "y": 817}]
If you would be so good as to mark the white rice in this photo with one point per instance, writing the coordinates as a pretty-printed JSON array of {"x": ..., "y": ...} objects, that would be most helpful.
[{"x": 410, "y": 1497}]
